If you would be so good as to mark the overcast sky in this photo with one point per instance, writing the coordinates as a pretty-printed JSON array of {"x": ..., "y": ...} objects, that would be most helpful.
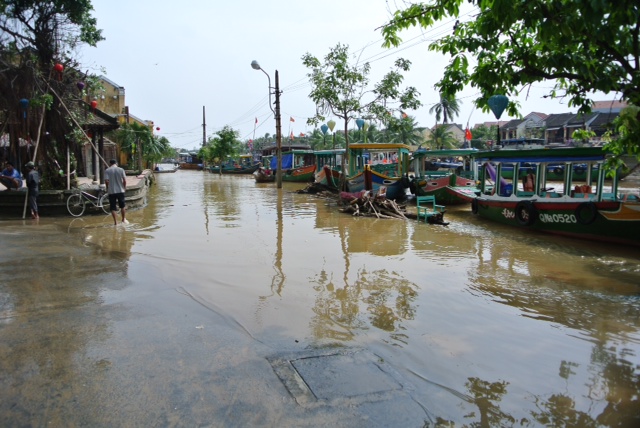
[{"x": 173, "y": 58}]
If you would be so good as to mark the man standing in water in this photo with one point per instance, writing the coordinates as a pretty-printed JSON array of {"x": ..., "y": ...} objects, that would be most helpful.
[
  {"x": 116, "y": 181},
  {"x": 33, "y": 187}
]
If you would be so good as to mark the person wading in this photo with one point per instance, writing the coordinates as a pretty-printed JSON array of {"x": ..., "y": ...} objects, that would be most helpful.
[{"x": 116, "y": 181}]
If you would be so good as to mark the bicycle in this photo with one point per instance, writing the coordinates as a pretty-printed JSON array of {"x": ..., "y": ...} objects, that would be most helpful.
[{"x": 77, "y": 202}]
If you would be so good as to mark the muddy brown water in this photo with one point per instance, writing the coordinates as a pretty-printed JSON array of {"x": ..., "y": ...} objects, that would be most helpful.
[{"x": 173, "y": 319}]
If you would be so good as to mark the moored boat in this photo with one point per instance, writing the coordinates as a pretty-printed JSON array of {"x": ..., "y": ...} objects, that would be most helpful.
[
  {"x": 328, "y": 166},
  {"x": 592, "y": 209},
  {"x": 448, "y": 175},
  {"x": 367, "y": 159}
]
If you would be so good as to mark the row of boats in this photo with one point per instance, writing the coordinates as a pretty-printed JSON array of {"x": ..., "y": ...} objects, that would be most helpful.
[{"x": 565, "y": 191}]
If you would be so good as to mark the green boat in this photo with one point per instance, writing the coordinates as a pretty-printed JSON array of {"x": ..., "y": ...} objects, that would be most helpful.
[{"x": 591, "y": 209}]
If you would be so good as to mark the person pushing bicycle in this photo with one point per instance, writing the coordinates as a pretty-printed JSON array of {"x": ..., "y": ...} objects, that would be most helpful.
[{"x": 116, "y": 181}]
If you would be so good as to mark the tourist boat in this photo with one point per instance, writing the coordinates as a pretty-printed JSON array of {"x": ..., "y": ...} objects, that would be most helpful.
[
  {"x": 448, "y": 175},
  {"x": 375, "y": 165},
  {"x": 165, "y": 168},
  {"x": 243, "y": 165},
  {"x": 587, "y": 210},
  {"x": 328, "y": 167},
  {"x": 297, "y": 166},
  {"x": 264, "y": 175}
]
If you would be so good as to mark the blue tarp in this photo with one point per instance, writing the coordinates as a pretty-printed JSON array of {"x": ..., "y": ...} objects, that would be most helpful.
[{"x": 287, "y": 161}]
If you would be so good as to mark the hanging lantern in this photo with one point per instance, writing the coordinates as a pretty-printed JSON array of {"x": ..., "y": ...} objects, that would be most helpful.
[
  {"x": 331, "y": 124},
  {"x": 24, "y": 105},
  {"x": 157, "y": 128},
  {"x": 94, "y": 104},
  {"x": 497, "y": 104},
  {"x": 80, "y": 86},
  {"x": 59, "y": 68},
  {"x": 360, "y": 123},
  {"x": 324, "y": 128}
]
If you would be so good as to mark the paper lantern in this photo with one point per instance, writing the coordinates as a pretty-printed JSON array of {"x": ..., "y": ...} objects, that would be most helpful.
[
  {"x": 94, "y": 104},
  {"x": 497, "y": 104},
  {"x": 157, "y": 128},
  {"x": 59, "y": 68},
  {"x": 324, "y": 128},
  {"x": 331, "y": 124},
  {"x": 80, "y": 86}
]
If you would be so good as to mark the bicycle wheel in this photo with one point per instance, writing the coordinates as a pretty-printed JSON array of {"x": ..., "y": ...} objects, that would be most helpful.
[
  {"x": 106, "y": 207},
  {"x": 75, "y": 205}
]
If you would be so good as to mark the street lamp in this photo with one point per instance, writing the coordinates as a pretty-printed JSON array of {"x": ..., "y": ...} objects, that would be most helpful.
[{"x": 256, "y": 66}]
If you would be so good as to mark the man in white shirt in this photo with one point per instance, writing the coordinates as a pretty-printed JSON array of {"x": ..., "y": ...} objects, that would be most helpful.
[{"x": 116, "y": 181}]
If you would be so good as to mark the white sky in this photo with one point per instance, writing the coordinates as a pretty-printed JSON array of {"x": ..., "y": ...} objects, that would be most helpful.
[{"x": 173, "y": 58}]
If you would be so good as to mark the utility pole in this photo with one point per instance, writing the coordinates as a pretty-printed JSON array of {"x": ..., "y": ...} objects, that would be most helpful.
[
  {"x": 278, "y": 134},
  {"x": 204, "y": 129}
]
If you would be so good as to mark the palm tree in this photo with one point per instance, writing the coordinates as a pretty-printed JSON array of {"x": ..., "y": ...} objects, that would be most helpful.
[
  {"x": 441, "y": 138},
  {"x": 448, "y": 108},
  {"x": 404, "y": 130}
]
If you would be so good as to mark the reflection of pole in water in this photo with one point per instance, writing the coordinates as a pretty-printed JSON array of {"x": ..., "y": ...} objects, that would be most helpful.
[{"x": 278, "y": 278}]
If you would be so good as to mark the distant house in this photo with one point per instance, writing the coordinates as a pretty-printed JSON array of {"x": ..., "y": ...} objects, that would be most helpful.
[
  {"x": 610, "y": 106},
  {"x": 556, "y": 127}
]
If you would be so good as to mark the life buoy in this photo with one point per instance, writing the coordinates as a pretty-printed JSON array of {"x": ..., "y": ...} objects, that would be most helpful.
[
  {"x": 586, "y": 213},
  {"x": 526, "y": 213},
  {"x": 474, "y": 206}
]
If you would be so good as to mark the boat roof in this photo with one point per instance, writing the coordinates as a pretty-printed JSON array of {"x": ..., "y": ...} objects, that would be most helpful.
[
  {"x": 448, "y": 152},
  {"x": 379, "y": 146},
  {"x": 564, "y": 154},
  {"x": 329, "y": 152}
]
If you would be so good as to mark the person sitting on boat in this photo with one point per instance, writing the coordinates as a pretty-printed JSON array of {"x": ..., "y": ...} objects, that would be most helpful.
[
  {"x": 11, "y": 177},
  {"x": 529, "y": 182}
]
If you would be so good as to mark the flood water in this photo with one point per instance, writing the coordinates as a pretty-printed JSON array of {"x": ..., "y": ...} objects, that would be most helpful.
[{"x": 167, "y": 321}]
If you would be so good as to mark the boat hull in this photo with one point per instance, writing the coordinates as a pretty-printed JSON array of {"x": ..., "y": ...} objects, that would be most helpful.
[
  {"x": 303, "y": 174},
  {"x": 606, "y": 221},
  {"x": 448, "y": 190},
  {"x": 328, "y": 176},
  {"x": 395, "y": 185}
]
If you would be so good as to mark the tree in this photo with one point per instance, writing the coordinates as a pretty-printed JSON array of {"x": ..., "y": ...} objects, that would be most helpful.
[
  {"x": 441, "y": 138},
  {"x": 343, "y": 90},
  {"x": 34, "y": 36},
  {"x": 448, "y": 108},
  {"x": 223, "y": 144},
  {"x": 404, "y": 130},
  {"x": 482, "y": 134},
  {"x": 582, "y": 45}
]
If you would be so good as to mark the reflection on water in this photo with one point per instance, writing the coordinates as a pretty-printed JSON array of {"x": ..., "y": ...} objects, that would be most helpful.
[{"x": 492, "y": 326}]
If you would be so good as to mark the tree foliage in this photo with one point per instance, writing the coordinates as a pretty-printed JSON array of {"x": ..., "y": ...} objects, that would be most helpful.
[
  {"x": 34, "y": 36},
  {"x": 223, "y": 144},
  {"x": 448, "y": 108},
  {"x": 581, "y": 46},
  {"x": 343, "y": 90},
  {"x": 404, "y": 130}
]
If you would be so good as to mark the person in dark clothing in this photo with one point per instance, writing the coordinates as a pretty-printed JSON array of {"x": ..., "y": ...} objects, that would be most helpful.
[{"x": 33, "y": 187}]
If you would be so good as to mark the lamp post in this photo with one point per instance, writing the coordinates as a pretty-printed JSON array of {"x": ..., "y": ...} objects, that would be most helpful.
[{"x": 256, "y": 66}]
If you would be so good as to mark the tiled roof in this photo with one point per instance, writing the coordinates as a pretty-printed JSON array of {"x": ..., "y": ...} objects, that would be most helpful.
[{"x": 558, "y": 120}]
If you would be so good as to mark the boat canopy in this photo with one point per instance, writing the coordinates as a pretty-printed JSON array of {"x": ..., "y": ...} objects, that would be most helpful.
[{"x": 576, "y": 154}]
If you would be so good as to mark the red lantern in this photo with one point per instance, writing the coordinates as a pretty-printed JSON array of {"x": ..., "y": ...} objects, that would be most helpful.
[
  {"x": 94, "y": 104},
  {"x": 59, "y": 68}
]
